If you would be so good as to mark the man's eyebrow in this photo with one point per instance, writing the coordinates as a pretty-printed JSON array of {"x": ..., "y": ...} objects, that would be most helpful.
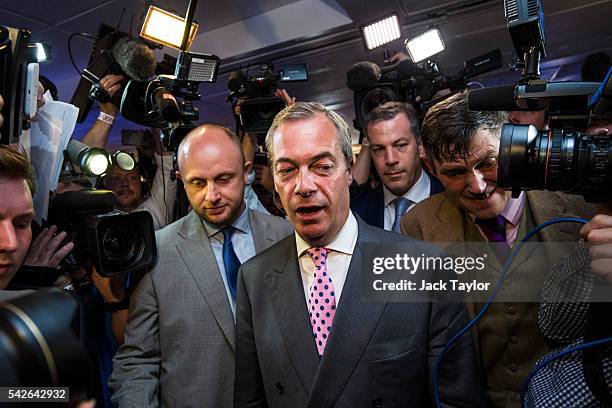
[{"x": 320, "y": 156}]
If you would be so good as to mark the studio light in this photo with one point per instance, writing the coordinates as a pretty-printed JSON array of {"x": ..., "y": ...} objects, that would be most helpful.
[
  {"x": 425, "y": 45},
  {"x": 92, "y": 161},
  {"x": 43, "y": 52},
  {"x": 123, "y": 160},
  {"x": 166, "y": 28},
  {"x": 380, "y": 32}
]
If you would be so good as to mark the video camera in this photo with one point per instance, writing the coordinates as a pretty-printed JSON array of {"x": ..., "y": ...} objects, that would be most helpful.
[
  {"x": 407, "y": 81},
  {"x": 18, "y": 82},
  {"x": 257, "y": 112},
  {"x": 564, "y": 157},
  {"x": 167, "y": 101},
  {"x": 114, "y": 52},
  {"x": 114, "y": 242}
]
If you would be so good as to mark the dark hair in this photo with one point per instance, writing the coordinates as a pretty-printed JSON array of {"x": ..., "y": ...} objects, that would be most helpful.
[
  {"x": 449, "y": 126},
  {"x": 390, "y": 110},
  {"x": 595, "y": 67},
  {"x": 15, "y": 165}
]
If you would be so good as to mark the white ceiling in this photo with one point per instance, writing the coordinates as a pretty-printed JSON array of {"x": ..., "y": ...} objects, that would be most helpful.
[{"x": 321, "y": 33}]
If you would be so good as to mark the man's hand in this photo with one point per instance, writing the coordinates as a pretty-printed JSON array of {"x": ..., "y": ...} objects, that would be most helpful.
[
  {"x": 111, "y": 84},
  {"x": 45, "y": 249},
  {"x": 263, "y": 176},
  {"x": 284, "y": 95},
  {"x": 598, "y": 233}
]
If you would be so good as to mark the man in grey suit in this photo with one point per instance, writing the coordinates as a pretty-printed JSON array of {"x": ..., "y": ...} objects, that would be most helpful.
[
  {"x": 180, "y": 336},
  {"x": 304, "y": 336}
]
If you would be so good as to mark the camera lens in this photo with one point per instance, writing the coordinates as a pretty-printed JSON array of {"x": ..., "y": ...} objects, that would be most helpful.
[
  {"x": 556, "y": 159},
  {"x": 121, "y": 246}
]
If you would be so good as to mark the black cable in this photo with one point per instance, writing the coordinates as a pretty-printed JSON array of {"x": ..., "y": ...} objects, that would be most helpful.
[{"x": 70, "y": 37}]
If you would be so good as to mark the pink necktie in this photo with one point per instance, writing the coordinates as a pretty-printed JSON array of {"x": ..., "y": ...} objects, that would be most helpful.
[{"x": 321, "y": 299}]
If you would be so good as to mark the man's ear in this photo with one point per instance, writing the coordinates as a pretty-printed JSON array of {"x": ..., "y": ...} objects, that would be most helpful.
[
  {"x": 247, "y": 168},
  {"x": 178, "y": 174}
]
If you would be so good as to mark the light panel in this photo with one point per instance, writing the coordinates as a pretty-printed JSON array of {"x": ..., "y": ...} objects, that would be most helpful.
[
  {"x": 425, "y": 45},
  {"x": 381, "y": 32},
  {"x": 166, "y": 28}
]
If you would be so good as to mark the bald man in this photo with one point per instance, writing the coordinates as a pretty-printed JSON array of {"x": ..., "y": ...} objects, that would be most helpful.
[{"x": 180, "y": 336}]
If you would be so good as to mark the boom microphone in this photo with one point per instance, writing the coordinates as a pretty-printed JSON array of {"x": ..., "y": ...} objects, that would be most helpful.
[
  {"x": 135, "y": 59},
  {"x": 496, "y": 98}
]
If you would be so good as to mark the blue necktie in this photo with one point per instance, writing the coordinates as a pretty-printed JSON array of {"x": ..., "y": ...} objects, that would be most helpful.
[
  {"x": 230, "y": 260},
  {"x": 401, "y": 206}
]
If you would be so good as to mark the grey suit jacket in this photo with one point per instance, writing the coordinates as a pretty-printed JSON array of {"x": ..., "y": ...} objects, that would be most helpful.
[
  {"x": 378, "y": 354},
  {"x": 180, "y": 336}
]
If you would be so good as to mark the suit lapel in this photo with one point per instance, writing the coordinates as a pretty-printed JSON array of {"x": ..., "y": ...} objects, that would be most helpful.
[
  {"x": 260, "y": 229},
  {"x": 197, "y": 253},
  {"x": 287, "y": 296},
  {"x": 352, "y": 328}
]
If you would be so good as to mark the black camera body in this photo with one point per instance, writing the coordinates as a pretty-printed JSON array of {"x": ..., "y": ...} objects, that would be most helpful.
[
  {"x": 409, "y": 82},
  {"x": 113, "y": 242},
  {"x": 257, "y": 112}
]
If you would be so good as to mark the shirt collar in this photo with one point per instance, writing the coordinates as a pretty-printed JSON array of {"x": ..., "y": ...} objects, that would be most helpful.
[
  {"x": 343, "y": 242},
  {"x": 417, "y": 193},
  {"x": 514, "y": 209},
  {"x": 241, "y": 224}
]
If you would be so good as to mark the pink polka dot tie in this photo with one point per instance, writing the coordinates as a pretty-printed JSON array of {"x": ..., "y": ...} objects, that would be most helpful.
[{"x": 321, "y": 299}]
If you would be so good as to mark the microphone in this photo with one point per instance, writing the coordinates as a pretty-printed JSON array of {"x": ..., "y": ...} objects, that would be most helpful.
[
  {"x": 362, "y": 74},
  {"x": 135, "y": 59},
  {"x": 496, "y": 98}
]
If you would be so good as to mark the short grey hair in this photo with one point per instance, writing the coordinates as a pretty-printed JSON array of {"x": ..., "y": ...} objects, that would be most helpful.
[{"x": 309, "y": 110}]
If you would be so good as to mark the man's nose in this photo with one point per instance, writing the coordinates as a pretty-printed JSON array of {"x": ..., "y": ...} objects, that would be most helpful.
[
  {"x": 390, "y": 156},
  {"x": 305, "y": 184},
  {"x": 212, "y": 193},
  {"x": 8, "y": 237},
  {"x": 476, "y": 181}
]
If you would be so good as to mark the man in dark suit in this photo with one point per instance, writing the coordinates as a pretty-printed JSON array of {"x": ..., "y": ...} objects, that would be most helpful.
[
  {"x": 393, "y": 142},
  {"x": 304, "y": 335},
  {"x": 462, "y": 148},
  {"x": 180, "y": 336}
]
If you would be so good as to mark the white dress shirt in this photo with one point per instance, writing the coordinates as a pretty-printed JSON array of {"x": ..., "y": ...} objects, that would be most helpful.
[
  {"x": 340, "y": 252},
  {"x": 419, "y": 192}
]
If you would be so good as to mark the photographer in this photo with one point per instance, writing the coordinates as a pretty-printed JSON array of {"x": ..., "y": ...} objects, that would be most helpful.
[
  {"x": 462, "y": 148},
  {"x": 127, "y": 184}
]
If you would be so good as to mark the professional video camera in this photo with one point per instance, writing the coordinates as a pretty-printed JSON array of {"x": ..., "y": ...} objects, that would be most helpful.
[
  {"x": 564, "y": 157},
  {"x": 407, "y": 81},
  {"x": 257, "y": 112},
  {"x": 114, "y": 242},
  {"x": 114, "y": 52},
  {"x": 167, "y": 101},
  {"x": 18, "y": 82}
]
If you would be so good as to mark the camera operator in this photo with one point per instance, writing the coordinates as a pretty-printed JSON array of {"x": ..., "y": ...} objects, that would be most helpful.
[
  {"x": 462, "y": 148},
  {"x": 127, "y": 184},
  {"x": 566, "y": 317},
  {"x": 539, "y": 119}
]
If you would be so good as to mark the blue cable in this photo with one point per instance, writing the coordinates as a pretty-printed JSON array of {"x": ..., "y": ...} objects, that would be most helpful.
[
  {"x": 552, "y": 358},
  {"x": 487, "y": 305}
]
